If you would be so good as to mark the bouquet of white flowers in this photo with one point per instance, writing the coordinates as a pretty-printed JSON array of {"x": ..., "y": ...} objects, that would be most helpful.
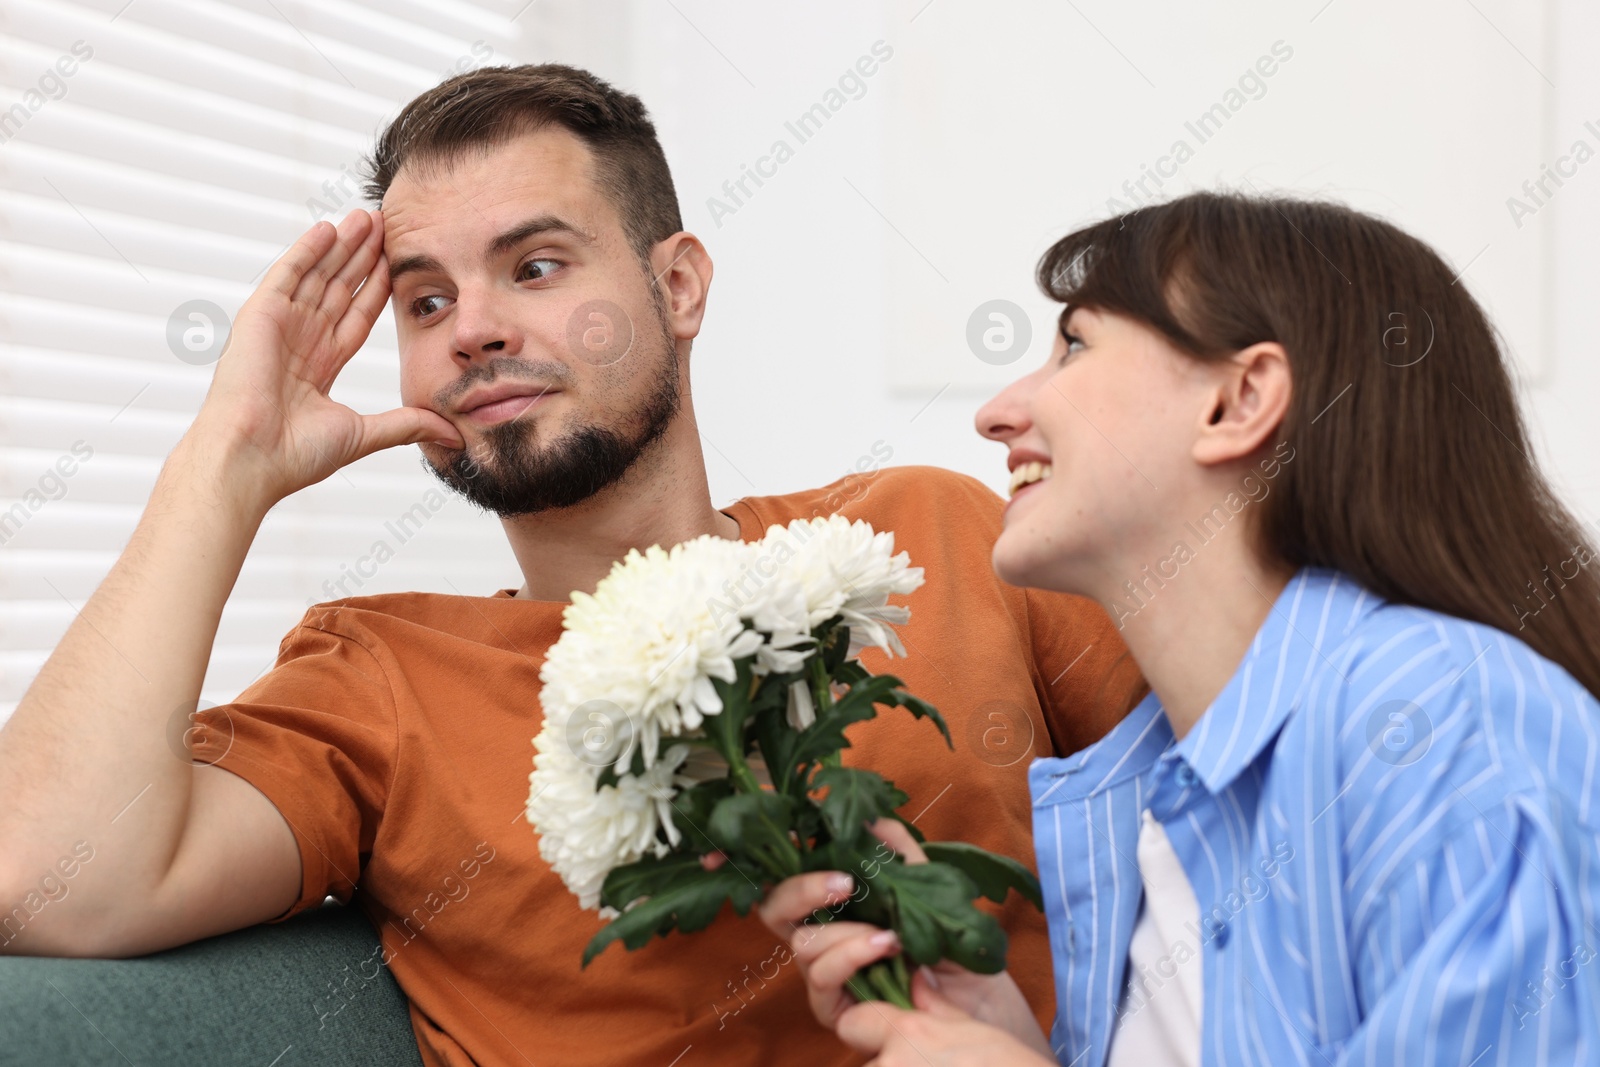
[{"x": 697, "y": 702}]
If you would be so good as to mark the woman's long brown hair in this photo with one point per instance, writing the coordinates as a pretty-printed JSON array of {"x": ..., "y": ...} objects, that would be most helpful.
[{"x": 1412, "y": 471}]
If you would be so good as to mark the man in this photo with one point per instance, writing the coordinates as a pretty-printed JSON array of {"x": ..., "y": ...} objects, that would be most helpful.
[{"x": 546, "y": 300}]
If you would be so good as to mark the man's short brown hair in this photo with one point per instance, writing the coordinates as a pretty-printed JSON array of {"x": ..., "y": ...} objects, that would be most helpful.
[{"x": 484, "y": 108}]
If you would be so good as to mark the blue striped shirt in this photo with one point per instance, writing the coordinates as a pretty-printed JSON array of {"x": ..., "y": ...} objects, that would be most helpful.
[{"x": 1388, "y": 816}]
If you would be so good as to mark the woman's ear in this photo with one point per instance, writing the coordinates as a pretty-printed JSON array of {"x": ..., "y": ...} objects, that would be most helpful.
[
  {"x": 1246, "y": 406},
  {"x": 683, "y": 272}
]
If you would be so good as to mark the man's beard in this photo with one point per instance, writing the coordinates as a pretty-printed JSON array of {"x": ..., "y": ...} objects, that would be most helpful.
[{"x": 519, "y": 478}]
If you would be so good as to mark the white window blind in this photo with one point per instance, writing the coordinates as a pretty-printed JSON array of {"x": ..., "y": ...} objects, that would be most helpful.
[{"x": 162, "y": 152}]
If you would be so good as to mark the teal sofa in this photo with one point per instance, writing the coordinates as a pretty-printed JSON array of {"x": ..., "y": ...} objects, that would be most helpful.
[{"x": 308, "y": 991}]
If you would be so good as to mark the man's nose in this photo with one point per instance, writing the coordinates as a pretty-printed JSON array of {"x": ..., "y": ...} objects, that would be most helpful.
[{"x": 484, "y": 328}]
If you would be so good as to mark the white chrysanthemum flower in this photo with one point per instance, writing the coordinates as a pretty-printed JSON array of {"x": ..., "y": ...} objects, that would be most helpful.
[
  {"x": 767, "y": 596},
  {"x": 845, "y": 568},
  {"x": 636, "y": 664},
  {"x": 649, "y": 642},
  {"x": 584, "y": 831}
]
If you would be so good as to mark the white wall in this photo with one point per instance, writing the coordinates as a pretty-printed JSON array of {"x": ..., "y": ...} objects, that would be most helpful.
[
  {"x": 790, "y": 376},
  {"x": 1562, "y": 405},
  {"x": 803, "y": 364}
]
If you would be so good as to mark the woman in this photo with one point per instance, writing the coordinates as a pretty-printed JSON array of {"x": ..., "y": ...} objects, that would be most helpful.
[{"x": 1357, "y": 820}]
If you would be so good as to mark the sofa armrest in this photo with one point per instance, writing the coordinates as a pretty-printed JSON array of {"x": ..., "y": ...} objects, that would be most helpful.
[{"x": 310, "y": 990}]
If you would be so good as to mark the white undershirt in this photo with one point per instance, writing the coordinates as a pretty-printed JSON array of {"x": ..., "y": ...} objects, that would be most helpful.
[{"x": 1158, "y": 1019}]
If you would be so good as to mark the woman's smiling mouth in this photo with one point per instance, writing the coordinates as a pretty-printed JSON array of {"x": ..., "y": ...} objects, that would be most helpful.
[{"x": 1028, "y": 474}]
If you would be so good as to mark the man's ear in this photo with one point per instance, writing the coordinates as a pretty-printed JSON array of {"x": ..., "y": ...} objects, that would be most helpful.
[
  {"x": 1246, "y": 405},
  {"x": 682, "y": 272}
]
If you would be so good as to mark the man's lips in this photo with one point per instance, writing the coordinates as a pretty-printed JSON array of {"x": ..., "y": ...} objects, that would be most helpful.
[
  {"x": 503, "y": 401},
  {"x": 497, "y": 411}
]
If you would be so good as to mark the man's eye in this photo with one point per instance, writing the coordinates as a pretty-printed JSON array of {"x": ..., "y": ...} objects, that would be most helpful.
[
  {"x": 537, "y": 270},
  {"x": 422, "y": 307}
]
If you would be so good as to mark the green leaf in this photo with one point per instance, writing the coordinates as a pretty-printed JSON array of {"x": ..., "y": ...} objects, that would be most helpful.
[
  {"x": 855, "y": 797},
  {"x": 826, "y": 736},
  {"x": 936, "y": 919},
  {"x": 993, "y": 874},
  {"x": 850, "y": 672},
  {"x": 807, "y": 822},
  {"x": 692, "y": 807},
  {"x": 873, "y": 689},
  {"x": 921, "y": 709},
  {"x": 688, "y": 899},
  {"x": 725, "y": 729},
  {"x": 778, "y": 741},
  {"x": 757, "y": 825},
  {"x": 930, "y": 905},
  {"x": 862, "y": 861},
  {"x": 774, "y": 693},
  {"x": 645, "y": 877}
]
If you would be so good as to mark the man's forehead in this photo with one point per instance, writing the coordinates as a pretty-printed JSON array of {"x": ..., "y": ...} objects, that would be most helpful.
[{"x": 485, "y": 191}]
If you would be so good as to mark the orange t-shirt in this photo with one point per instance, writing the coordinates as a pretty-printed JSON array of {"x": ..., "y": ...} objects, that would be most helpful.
[{"x": 395, "y": 732}]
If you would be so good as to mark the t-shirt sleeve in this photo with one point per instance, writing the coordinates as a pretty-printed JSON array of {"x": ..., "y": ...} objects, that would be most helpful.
[
  {"x": 316, "y": 734},
  {"x": 1087, "y": 680}
]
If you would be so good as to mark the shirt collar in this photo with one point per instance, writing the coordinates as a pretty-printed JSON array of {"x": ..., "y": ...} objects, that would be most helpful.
[
  {"x": 1309, "y": 620},
  {"x": 1129, "y": 750}
]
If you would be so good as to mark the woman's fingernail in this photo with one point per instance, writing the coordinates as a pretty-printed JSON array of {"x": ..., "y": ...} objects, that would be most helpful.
[
  {"x": 931, "y": 978},
  {"x": 839, "y": 883},
  {"x": 884, "y": 939}
]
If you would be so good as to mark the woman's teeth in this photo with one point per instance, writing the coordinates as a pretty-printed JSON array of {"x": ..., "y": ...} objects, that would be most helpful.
[{"x": 1029, "y": 473}]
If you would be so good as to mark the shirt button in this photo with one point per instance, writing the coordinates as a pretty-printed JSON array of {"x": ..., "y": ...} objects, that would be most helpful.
[
  {"x": 1185, "y": 775},
  {"x": 1221, "y": 935}
]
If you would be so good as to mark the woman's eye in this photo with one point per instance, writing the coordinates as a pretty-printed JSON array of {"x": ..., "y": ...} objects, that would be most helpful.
[
  {"x": 537, "y": 269},
  {"x": 422, "y": 307},
  {"x": 1071, "y": 339}
]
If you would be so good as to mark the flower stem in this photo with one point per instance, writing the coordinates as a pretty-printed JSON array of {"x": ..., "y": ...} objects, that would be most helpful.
[
  {"x": 859, "y": 988},
  {"x": 742, "y": 776},
  {"x": 782, "y": 860},
  {"x": 775, "y": 866},
  {"x": 821, "y": 690},
  {"x": 822, "y": 697},
  {"x": 885, "y": 980},
  {"x": 902, "y": 974}
]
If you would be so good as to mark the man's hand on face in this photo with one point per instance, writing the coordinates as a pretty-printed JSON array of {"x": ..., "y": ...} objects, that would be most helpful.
[{"x": 268, "y": 402}]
